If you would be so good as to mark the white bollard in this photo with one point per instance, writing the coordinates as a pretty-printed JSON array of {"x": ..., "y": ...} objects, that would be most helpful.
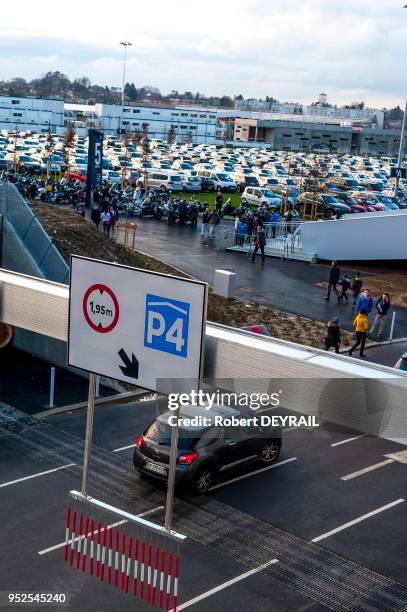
[
  {"x": 393, "y": 320},
  {"x": 97, "y": 385},
  {"x": 52, "y": 388}
]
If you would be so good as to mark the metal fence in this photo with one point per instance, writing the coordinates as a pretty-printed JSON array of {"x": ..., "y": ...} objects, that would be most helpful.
[
  {"x": 31, "y": 233},
  {"x": 282, "y": 239}
]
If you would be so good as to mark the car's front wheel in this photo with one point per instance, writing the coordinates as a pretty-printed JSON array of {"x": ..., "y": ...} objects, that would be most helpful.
[
  {"x": 270, "y": 451},
  {"x": 203, "y": 481}
]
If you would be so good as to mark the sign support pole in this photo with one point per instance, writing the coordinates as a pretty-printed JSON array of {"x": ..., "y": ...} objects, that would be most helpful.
[
  {"x": 89, "y": 433},
  {"x": 169, "y": 505}
]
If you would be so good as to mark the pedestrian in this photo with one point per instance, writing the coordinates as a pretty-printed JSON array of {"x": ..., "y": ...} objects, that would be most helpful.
[
  {"x": 182, "y": 212},
  {"x": 382, "y": 307},
  {"x": 333, "y": 335},
  {"x": 218, "y": 201},
  {"x": 357, "y": 284},
  {"x": 361, "y": 325},
  {"x": 241, "y": 232},
  {"x": 95, "y": 215},
  {"x": 275, "y": 218},
  {"x": 364, "y": 302},
  {"x": 113, "y": 218},
  {"x": 193, "y": 211},
  {"x": 260, "y": 243},
  {"x": 214, "y": 220},
  {"x": 333, "y": 279},
  {"x": 171, "y": 212},
  {"x": 105, "y": 219},
  {"x": 205, "y": 223},
  {"x": 345, "y": 288}
]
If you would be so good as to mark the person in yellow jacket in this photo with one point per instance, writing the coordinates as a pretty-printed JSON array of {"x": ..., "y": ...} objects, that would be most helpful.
[{"x": 361, "y": 325}]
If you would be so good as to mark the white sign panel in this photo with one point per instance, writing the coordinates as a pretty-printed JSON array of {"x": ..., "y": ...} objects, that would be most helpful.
[{"x": 134, "y": 325}]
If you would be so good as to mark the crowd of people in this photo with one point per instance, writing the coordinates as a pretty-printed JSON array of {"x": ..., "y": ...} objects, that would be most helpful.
[{"x": 363, "y": 305}]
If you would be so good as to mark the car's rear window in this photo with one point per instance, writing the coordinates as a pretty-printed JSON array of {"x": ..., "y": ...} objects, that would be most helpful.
[{"x": 160, "y": 433}]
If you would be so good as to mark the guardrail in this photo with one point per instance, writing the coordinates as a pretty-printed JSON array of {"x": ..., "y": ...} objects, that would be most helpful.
[
  {"x": 336, "y": 388},
  {"x": 282, "y": 239},
  {"x": 31, "y": 233}
]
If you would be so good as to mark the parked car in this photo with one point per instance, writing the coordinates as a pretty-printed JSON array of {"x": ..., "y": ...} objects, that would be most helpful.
[
  {"x": 324, "y": 204},
  {"x": 256, "y": 196},
  {"x": 192, "y": 183},
  {"x": 204, "y": 453},
  {"x": 165, "y": 181}
]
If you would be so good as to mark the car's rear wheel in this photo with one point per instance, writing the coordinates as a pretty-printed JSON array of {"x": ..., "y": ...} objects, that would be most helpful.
[
  {"x": 270, "y": 451},
  {"x": 203, "y": 481}
]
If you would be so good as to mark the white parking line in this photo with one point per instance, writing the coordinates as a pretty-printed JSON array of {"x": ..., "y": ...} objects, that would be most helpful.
[
  {"x": 116, "y": 450},
  {"x": 225, "y": 585},
  {"x": 269, "y": 467},
  {"x": 11, "y": 482},
  {"x": 367, "y": 469},
  {"x": 349, "y": 440},
  {"x": 357, "y": 520},
  {"x": 62, "y": 544}
]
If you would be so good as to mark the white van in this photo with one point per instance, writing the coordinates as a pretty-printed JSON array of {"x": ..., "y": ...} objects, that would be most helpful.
[
  {"x": 166, "y": 181},
  {"x": 220, "y": 179}
]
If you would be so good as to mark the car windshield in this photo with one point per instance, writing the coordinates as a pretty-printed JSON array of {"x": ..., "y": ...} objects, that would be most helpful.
[
  {"x": 268, "y": 193},
  {"x": 175, "y": 178},
  {"x": 223, "y": 177},
  {"x": 329, "y": 199}
]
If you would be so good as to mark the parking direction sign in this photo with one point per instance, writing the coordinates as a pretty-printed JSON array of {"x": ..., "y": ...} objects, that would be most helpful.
[{"x": 134, "y": 325}]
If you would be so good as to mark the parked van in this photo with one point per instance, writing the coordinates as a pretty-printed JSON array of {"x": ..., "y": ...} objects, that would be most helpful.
[
  {"x": 221, "y": 180},
  {"x": 166, "y": 181}
]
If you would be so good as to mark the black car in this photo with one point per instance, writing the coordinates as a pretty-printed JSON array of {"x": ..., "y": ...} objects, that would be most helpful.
[
  {"x": 207, "y": 184},
  {"x": 206, "y": 450}
]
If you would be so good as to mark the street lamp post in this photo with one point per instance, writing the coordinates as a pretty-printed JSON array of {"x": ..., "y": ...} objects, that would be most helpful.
[
  {"x": 124, "y": 44},
  {"x": 401, "y": 149}
]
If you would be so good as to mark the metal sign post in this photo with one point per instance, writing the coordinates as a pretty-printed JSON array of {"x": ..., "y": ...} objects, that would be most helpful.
[
  {"x": 169, "y": 505},
  {"x": 140, "y": 327},
  {"x": 89, "y": 434}
]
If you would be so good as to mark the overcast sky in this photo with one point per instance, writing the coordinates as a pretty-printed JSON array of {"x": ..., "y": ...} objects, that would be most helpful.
[{"x": 288, "y": 49}]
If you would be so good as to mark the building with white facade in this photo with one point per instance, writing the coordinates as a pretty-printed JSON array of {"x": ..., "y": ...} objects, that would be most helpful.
[
  {"x": 195, "y": 125},
  {"x": 31, "y": 114}
]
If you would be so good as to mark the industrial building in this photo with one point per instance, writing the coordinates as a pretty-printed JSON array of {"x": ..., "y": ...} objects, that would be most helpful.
[{"x": 197, "y": 125}]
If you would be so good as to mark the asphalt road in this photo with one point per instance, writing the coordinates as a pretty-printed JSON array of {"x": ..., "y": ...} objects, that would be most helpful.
[
  {"x": 286, "y": 285},
  {"x": 316, "y": 491}
]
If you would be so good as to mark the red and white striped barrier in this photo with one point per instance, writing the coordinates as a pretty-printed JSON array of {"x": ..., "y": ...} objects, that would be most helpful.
[{"x": 124, "y": 559}]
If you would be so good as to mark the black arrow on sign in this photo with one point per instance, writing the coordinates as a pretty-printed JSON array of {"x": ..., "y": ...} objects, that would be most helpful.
[{"x": 130, "y": 367}]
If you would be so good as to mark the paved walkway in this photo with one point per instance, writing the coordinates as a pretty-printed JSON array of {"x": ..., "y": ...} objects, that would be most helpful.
[{"x": 285, "y": 285}]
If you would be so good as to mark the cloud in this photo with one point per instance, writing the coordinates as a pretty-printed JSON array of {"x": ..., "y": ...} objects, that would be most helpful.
[{"x": 289, "y": 49}]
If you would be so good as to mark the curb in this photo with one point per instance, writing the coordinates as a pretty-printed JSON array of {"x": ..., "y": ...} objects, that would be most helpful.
[
  {"x": 373, "y": 344},
  {"x": 119, "y": 397}
]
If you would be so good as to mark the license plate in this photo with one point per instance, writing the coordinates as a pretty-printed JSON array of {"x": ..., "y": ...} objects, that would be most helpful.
[{"x": 158, "y": 469}]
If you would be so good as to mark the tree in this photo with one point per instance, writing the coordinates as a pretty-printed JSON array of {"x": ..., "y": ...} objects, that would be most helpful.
[
  {"x": 131, "y": 92},
  {"x": 49, "y": 147},
  {"x": 69, "y": 141},
  {"x": 145, "y": 147},
  {"x": 171, "y": 135},
  {"x": 18, "y": 87}
]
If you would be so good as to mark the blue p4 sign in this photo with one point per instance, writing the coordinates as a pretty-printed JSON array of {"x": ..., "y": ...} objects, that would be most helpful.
[{"x": 166, "y": 325}]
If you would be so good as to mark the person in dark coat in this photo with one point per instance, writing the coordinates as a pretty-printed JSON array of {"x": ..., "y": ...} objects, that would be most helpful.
[
  {"x": 345, "y": 288},
  {"x": 333, "y": 279},
  {"x": 95, "y": 215},
  {"x": 260, "y": 243},
  {"x": 333, "y": 335}
]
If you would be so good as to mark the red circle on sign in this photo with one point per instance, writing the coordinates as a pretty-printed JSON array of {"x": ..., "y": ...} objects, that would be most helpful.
[{"x": 112, "y": 325}]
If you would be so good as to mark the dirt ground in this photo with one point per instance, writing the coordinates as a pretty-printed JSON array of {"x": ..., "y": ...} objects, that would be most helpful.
[
  {"x": 72, "y": 234},
  {"x": 392, "y": 282}
]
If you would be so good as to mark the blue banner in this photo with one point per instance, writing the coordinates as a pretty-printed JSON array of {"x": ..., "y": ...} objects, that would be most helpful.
[{"x": 95, "y": 163}]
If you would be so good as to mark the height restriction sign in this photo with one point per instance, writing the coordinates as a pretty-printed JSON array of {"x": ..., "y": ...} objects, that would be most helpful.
[{"x": 134, "y": 325}]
